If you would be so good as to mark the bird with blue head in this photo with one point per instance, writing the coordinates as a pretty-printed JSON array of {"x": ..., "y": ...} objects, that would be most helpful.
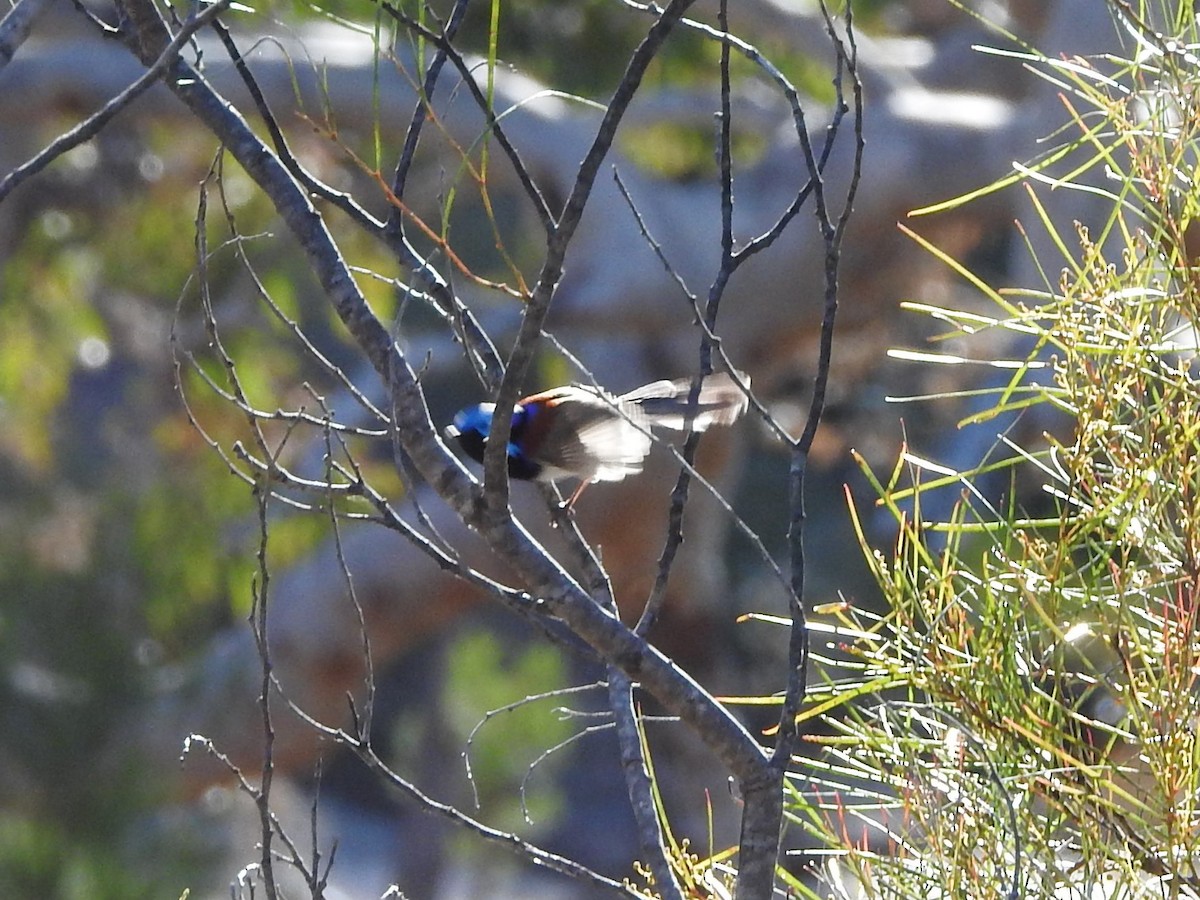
[{"x": 584, "y": 432}]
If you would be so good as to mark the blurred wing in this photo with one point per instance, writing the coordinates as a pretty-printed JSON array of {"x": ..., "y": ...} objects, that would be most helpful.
[
  {"x": 665, "y": 403},
  {"x": 613, "y": 447},
  {"x": 591, "y": 435}
]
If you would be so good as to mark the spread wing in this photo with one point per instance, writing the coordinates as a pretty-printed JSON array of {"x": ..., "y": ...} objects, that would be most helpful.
[
  {"x": 588, "y": 434},
  {"x": 582, "y": 431}
]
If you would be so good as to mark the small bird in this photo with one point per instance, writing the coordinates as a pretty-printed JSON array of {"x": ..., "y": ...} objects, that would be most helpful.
[{"x": 587, "y": 433}]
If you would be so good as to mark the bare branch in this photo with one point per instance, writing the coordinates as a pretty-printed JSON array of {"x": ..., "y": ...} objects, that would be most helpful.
[
  {"x": 91, "y": 126},
  {"x": 16, "y": 26},
  {"x": 553, "y": 593}
]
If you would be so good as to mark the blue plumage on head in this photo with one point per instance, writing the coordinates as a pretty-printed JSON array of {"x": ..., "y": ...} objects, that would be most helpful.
[
  {"x": 477, "y": 418},
  {"x": 471, "y": 429}
]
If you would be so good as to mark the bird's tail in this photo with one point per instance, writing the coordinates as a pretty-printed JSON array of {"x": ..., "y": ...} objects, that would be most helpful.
[{"x": 666, "y": 403}]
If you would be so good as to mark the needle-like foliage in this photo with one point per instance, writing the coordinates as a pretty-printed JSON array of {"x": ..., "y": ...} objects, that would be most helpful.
[{"x": 1020, "y": 720}]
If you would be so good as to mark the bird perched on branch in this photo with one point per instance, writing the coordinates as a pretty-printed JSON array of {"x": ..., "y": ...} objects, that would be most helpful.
[{"x": 584, "y": 432}]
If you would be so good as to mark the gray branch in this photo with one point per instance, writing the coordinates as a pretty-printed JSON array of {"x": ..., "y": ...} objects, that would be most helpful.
[{"x": 16, "y": 26}]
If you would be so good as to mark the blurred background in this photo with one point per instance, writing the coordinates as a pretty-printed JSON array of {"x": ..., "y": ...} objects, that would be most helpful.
[{"x": 127, "y": 550}]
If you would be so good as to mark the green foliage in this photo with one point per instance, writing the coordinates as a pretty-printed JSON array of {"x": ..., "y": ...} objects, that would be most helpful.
[
  {"x": 37, "y": 860},
  {"x": 45, "y": 312},
  {"x": 43, "y": 859},
  {"x": 1022, "y": 717}
]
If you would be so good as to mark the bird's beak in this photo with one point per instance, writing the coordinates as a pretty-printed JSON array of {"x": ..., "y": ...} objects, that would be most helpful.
[{"x": 451, "y": 432}]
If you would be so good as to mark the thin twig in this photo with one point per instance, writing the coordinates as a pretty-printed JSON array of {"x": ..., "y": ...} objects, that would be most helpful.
[
  {"x": 367, "y": 716},
  {"x": 91, "y": 126},
  {"x": 17, "y": 25},
  {"x": 426, "y": 803},
  {"x": 832, "y": 232},
  {"x": 295, "y": 859},
  {"x": 510, "y": 707},
  {"x": 752, "y": 53},
  {"x": 446, "y": 50},
  {"x": 468, "y": 328},
  {"x": 711, "y": 336},
  {"x": 259, "y": 588},
  {"x": 412, "y": 134}
]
